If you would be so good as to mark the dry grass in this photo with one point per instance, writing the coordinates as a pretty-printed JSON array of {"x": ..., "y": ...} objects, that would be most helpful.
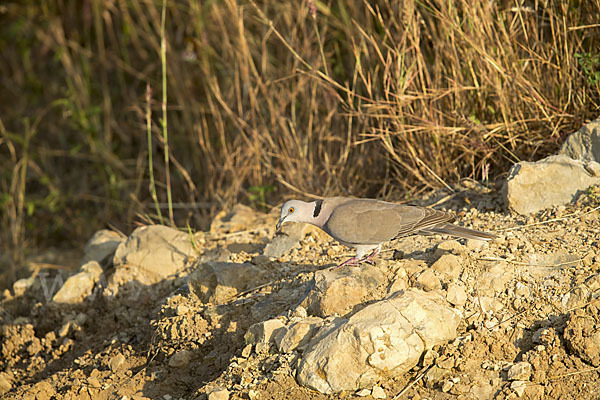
[{"x": 372, "y": 98}]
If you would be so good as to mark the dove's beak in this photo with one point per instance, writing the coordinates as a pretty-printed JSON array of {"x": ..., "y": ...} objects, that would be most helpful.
[{"x": 281, "y": 220}]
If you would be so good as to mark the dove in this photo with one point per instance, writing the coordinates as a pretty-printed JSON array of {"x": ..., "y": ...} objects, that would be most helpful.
[{"x": 366, "y": 224}]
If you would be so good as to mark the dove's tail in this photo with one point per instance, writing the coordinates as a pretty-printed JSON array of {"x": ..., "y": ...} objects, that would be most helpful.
[{"x": 459, "y": 231}]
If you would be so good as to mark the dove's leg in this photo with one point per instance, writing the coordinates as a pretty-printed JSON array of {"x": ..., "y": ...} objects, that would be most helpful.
[
  {"x": 361, "y": 257},
  {"x": 350, "y": 261},
  {"x": 369, "y": 259}
]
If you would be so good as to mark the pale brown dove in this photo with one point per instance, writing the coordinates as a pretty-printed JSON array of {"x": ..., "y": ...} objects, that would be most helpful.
[{"x": 367, "y": 223}]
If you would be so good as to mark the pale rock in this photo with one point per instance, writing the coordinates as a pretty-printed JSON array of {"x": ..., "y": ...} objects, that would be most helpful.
[
  {"x": 483, "y": 391},
  {"x": 522, "y": 290},
  {"x": 219, "y": 282},
  {"x": 555, "y": 180},
  {"x": 578, "y": 297},
  {"x": 363, "y": 393},
  {"x": 584, "y": 144},
  {"x": 456, "y": 295},
  {"x": 338, "y": 291},
  {"x": 151, "y": 254},
  {"x": 79, "y": 286},
  {"x": 286, "y": 239},
  {"x": 388, "y": 335},
  {"x": 449, "y": 247},
  {"x": 219, "y": 394},
  {"x": 116, "y": 362},
  {"x": 475, "y": 244},
  {"x": 495, "y": 279},
  {"x": 447, "y": 385},
  {"x": 593, "y": 282},
  {"x": 378, "y": 393},
  {"x": 264, "y": 332},
  {"x": 6, "y": 379},
  {"x": 448, "y": 265},
  {"x": 434, "y": 376},
  {"x": 582, "y": 333},
  {"x": 20, "y": 286},
  {"x": 180, "y": 359},
  {"x": 298, "y": 334},
  {"x": 428, "y": 281},
  {"x": 239, "y": 218},
  {"x": 518, "y": 387},
  {"x": 101, "y": 246},
  {"x": 520, "y": 371},
  {"x": 490, "y": 304}
]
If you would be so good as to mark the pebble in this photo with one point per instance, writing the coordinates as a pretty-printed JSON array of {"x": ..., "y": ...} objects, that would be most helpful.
[
  {"x": 378, "y": 393},
  {"x": 219, "y": 394},
  {"x": 456, "y": 295},
  {"x": 520, "y": 371},
  {"x": 180, "y": 359},
  {"x": 116, "y": 362},
  {"x": 447, "y": 385},
  {"x": 363, "y": 393},
  {"x": 518, "y": 387}
]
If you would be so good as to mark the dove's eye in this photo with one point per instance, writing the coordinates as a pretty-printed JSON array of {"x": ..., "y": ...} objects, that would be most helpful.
[{"x": 291, "y": 210}]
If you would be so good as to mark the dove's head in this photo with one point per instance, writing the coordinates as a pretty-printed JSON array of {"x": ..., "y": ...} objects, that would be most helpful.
[{"x": 296, "y": 211}]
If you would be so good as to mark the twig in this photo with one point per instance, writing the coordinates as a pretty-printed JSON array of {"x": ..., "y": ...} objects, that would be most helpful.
[
  {"x": 421, "y": 375},
  {"x": 568, "y": 216}
]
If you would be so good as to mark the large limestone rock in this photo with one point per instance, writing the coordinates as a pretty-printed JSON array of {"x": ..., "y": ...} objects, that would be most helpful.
[
  {"x": 555, "y": 180},
  {"x": 101, "y": 246},
  {"x": 288, "y": 238},
  {"x": 79, "y": 286},
  {"x": 386, "y": 337},
  {"x": 337, "y": 291},
  {"x": 151, "y": 254},
  {"x": 584, "y": 144}
]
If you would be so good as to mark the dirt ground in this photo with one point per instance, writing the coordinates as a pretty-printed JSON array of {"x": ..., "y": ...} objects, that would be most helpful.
[{"x": 530, "y": 328}]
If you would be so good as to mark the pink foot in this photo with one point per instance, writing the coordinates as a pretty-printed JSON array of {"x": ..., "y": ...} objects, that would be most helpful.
[
  {"x": 371, "y": 256},
  {"x": 350, "y": 261}
]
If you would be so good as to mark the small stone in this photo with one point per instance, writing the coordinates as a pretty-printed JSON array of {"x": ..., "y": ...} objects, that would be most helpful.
[
  {"x": 252, "y": 394},
  {"x": 116, "y": 362},
  {"x": 593, "y": 283},
  {"x": 300, "y": 312},
  {"x": 363, "y": 393},
  {"x": 520, "y": 371},
  {"x": 447, "y": 385},
  {"x": 448, "y": 264},
  {"x": 429, "y": 357},
  {"x": 429, "y": 281},
  {"x": 474, "y": 244},
  {"x": 449, "y": 247},
  {"x": 219, "y": 394},
  {"x": 180, "y": 359},
  {"x": 264, "y": 332},
  {"x": 456, "y": 295},
  {"x": 21, "y": 286},
  {"x": 518, "y": 387},
  {"x": 378, "y": 393},
  {"x": 247, "y": 351},
  {"x": 521, "y": 290}
]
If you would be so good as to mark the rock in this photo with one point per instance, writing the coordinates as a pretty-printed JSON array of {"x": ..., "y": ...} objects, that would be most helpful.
[
  {"x": 101, "y": 246},
  {"x": 388, "y": 335},
  {"x": 447, "y": 385},
  {"x": 578, "y": 297},
  {"x": 299, "y": 333},
  {"x": 582, "y": 333},
  {"x": 180, "y": 359},
  {"x": 584, "y": 144},
  {"x": 593, "y": 282},
  {"x": 449, "y": 265},
  {"x": 219, "y": 394},
  {"x": 151, "y": 254},
  {"x": 116, "y": 362},
  {"x": 285, "y": 240},
  {"x": 378, "y": 393},
  {"x": 79, "y": 286},
  {"x": 518, "y": 387},
  {"x": 555, "y": 180},
  {"x": 239, "y": 218},
  {"x": 521, "y": 290},
  {"x": 363, "y": 393},
  {"x": 265, "y": 332},
  {"x": 494, "y": 280},
  {"x": 337, "y": 291},
  {"x": 20, "y": 286},
  {"x": 428, "y": 281},
  {"x": 219, "y": 282},
  {"x": 456, "y": 295},
  {"x": 475, "y": 244},
  {"x": 520, "y": 371},
  {"x": 449, "y": 247},
  {"x": 6, "y": 379}
]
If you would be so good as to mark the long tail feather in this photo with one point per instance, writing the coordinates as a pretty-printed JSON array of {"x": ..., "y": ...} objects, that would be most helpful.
[{"x": 459, "y": 231}]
